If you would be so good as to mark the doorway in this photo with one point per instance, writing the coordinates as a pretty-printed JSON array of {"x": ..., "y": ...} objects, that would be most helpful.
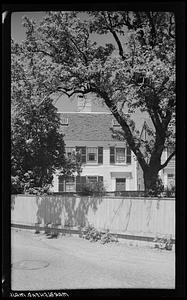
[{"x": 120, "y": 184}]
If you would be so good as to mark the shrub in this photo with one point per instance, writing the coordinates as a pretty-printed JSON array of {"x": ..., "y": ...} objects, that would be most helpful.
[
  {"x": 163, "y": 242},
  {"x": 108, "y": 238},
  {"x": 93, "y": 235},
  {"x": 169, "y": 191},
  {"x": 156, "y": 190},
  {"x": 93, "y": 189}
]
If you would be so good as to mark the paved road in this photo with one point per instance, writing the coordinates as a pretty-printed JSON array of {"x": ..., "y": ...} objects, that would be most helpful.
[{"x": 69, "y": 262}]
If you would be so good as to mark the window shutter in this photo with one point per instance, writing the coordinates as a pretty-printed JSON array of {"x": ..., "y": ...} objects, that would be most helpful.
[
  {"x": 112, "y": 155},
  {"x": 100, "y": 155},
  {"x": 80, "y": 180},
  {"x": 60, "y": 184},
  {"x": 128, "y": 158},
  {"x": 83, "y": 153},
  {"x": 100, "y": 178}
]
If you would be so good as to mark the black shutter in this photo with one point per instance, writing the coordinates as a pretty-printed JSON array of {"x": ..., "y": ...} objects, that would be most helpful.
[
  {"x": 80, "y": 180},
  {"x": 60, "y": 184},
  {"x": 128, "y": 158},
  {"x": 83, "y": 155},
  {"x": 100, "y": 155},
  {"x": 100, "y": 178},
  {"x": 112, "y": 155},
  {"x": 82, "y": 151},
  {"x": 78, "y": 183}
]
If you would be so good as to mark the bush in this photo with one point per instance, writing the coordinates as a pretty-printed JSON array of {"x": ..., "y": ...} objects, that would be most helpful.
[
  {"x": 156, "y": 190},
  {"x": 93, "y": 235},
  {"x": 163, "y": 242},
  {"x": 93, "y": 189},
  {"x": 169, "y": 191}
]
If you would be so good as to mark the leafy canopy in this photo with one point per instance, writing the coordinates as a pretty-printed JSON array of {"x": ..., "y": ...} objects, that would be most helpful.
[{"x": 135, "y": 70}]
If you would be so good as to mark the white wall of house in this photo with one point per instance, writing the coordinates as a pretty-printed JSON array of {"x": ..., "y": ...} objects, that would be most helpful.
[
  {"x": 169, "y": 170},
  {"x": 107, "y": 170}
]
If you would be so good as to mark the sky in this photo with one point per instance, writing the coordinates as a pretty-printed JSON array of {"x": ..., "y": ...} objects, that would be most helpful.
[{"x": 18, "y": 34}]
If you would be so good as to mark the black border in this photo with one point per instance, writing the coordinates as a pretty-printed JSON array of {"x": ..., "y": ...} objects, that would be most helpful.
[{"x": 179, "y": 9}]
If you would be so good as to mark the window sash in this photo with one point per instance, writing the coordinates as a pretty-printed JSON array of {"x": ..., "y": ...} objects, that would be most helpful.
[
  {"x": 120, "y": 155},
  {"x": 91, "y": 152},
  {"x": 92, "y": 179},
  {"x": 117, "y": 157}
]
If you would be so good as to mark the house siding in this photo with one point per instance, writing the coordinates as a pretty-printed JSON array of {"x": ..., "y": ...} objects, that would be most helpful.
[{"x": 105, "y": 170}]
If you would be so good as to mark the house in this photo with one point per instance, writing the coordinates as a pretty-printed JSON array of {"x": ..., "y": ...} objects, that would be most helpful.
[
  {"x": 104, "y": 158},
  {"x": 167, "y": 174}
]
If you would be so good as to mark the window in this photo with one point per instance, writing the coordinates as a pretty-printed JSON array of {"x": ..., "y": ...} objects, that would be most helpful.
[
  {"x": 92, "y": 179},
  {"x": 81, "y": 180},
  {"x": 120, "y": 155},
  {"x": 120, "y": 184},
  {"x": 92, "y": 154},
  {"x": 115, "y": 123},
  {"x": 64, "y": 121},
  {"x": 170, "y": 176},
  {"x": 70, "y": 184}
]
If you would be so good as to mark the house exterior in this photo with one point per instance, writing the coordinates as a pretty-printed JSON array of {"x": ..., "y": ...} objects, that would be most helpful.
[
  {"x": 103, "y": 157},
  {"x": 167, "y": 174}
]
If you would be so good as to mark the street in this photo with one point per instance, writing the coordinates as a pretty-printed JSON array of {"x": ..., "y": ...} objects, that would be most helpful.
[{"x": 69, "y": 262}]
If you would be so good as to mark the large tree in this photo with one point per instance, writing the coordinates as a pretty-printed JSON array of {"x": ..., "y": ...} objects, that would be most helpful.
[
  {"x": 135, "y": 70},
  {"x": 37, "y": 143}
]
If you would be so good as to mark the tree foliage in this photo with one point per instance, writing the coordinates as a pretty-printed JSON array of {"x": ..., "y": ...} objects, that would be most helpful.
[
  {"x": 37, "y": 144},
  {"x": 136, "y": 70}
]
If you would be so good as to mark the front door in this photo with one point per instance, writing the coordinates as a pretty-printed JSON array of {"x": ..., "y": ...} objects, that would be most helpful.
[{"x": 120, "y": 184}]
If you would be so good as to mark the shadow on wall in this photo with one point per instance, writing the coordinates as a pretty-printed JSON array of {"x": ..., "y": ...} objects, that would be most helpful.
[
  {"x": 13, "y": 197},
  {"x": 68, "y": 211}
]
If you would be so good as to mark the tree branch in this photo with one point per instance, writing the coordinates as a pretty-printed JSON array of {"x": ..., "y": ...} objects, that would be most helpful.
[
  {"x": 167, "y": 160},
  {"x": 115, "y": 37}
]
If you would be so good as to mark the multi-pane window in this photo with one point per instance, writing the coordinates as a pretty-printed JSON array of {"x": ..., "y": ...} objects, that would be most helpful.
[
  {"x": 70, "y": 184},
  {"x": 92, "y": 179},
  {"x": 120, "y": 155},
  {"x": 171, "y": 179},
  {"x": 92, "y": 154},
  {"x": 64, "y": 121},
  {"x": 73, "y": 184}
]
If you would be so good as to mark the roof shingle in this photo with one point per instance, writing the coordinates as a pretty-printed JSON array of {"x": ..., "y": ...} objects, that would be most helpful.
[{"x": 87, "y": 127}]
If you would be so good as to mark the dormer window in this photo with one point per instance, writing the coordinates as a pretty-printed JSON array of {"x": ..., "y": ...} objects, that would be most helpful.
[
  {"x": 115, "y": 123},
  {"x": 64, "y": 121}
]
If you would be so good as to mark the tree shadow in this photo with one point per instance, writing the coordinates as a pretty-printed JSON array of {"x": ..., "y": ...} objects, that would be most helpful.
[{"x": 69, "y": 211}]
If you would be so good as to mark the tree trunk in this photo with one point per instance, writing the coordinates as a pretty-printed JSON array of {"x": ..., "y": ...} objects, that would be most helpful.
[{"x": 152, "y": 183}]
